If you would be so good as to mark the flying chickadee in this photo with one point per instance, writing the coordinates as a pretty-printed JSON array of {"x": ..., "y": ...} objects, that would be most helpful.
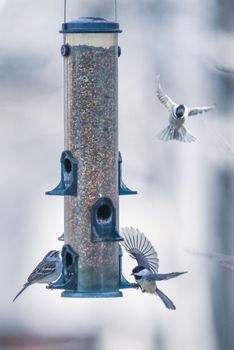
[
  {"x": 146, "y": 272},
  {"x": 47, "y": 271},
  {"x": 178, "y": 114}
]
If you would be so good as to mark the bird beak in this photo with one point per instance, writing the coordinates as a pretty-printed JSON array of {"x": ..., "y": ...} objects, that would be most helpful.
[{"x": 131, "y": 274}]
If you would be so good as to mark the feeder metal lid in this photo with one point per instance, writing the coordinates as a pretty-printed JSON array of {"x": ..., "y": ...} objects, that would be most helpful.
[{"x": 90, "y": 25}]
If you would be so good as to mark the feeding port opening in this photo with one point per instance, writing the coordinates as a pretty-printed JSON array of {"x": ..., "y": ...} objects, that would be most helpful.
[
  {"x": 67, "y": 165},
  {"x": 104, "y": 214},
  {"x": 68, "y": 259}
]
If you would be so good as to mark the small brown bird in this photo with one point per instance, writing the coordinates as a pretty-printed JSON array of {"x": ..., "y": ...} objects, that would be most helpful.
[{"x": 47, "y": 271}]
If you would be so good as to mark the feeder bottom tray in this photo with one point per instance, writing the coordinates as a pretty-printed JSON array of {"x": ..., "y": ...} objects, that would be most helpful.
[{"x": 74, "y": 294}]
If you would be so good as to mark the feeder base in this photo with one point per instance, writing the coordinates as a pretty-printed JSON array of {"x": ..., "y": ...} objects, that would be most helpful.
[{"x": 74, "y": 294}]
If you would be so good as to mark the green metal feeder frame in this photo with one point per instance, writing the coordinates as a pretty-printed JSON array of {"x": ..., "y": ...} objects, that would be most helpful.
[{"x": 91, "y": 174}]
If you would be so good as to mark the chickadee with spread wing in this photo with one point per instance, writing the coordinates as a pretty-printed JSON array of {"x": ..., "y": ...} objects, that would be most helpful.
[
  {"x": 146, "y": 272},
  {"x": 47, "y": 271},
  {"x": 178, "y": 114}
]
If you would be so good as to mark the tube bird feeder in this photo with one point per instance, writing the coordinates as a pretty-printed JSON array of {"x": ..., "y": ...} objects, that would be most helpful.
[{"x": 91, "y": 175}]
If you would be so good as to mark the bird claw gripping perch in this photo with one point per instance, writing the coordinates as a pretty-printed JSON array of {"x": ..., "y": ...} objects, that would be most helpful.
[{"x": 50, "y": 286}]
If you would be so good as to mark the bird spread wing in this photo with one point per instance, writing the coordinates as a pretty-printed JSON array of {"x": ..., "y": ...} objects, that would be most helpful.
[
  {"x": 163, "y": 98},
  {"x": 139, "y": 247},
  {"x": 164, "y": 276},
  {"x": 199, "y": 110},
  {"x": 43, "y": 269}
]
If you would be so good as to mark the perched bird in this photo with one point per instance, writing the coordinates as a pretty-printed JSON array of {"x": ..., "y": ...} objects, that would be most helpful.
[
  {"x": 146, "y": 272},
  {"x": 178, "y": 114},
  {"x": 47, "y": 271}
]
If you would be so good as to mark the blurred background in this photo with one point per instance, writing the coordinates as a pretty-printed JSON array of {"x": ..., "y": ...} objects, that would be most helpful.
[{"x": 185, "y": 191}]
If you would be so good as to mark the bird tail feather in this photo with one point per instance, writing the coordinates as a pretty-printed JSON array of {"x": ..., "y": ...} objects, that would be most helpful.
[
  {"x": 21, "y": 291},
  {"x": 171, "y": 133},
  {"x": 166, "y": 301}
]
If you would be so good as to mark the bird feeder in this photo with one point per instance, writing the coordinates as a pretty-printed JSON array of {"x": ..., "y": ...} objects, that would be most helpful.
[{"x": 91, "y": 174}]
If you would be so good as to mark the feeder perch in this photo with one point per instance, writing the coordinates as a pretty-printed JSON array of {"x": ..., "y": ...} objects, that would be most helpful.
[
  {"x": 123, "y": 189},
  {"x": 91, "y": 176},
  {"x": 68, "y": 182},
  {"x": 61, "y": 238}
]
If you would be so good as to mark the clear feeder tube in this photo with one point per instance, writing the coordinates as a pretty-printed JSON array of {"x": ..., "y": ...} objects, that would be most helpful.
[{"x": 91, "y": 134}]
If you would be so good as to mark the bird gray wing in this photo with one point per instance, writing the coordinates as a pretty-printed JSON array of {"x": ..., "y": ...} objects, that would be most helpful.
[
  {"x": 163, "y": 98},
  {"x": 43, "y": 269},
  {"x": 164, "y": 276},
  {"x": 199, "y": 110},
  {"x": 139, "y": 247}
]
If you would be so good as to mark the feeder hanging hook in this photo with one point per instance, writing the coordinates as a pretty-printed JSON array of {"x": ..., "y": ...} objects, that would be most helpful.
[{"x": 65, "y": 11}]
